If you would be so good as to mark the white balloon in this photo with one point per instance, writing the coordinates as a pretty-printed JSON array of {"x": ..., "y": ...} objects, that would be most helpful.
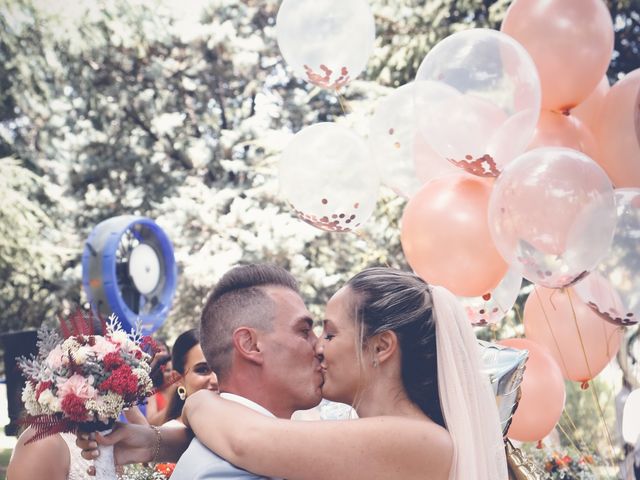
[
  {"x": 613, "y": 288},
  {"x": 328, "y": 42},
  {"x": 327, "y": 177},
  {"x": 478, "y": 100},
  {"x": 493, "y": 306},
  {"x": 392, "y": 140},
  {"x": 631, "y": 418}
]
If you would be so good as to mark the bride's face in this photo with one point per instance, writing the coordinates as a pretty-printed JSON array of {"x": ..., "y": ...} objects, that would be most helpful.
[{"x": 337, "y": 349}]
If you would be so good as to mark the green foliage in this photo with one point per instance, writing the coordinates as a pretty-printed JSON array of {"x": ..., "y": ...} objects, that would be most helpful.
[{"x": 32, "y": 257}]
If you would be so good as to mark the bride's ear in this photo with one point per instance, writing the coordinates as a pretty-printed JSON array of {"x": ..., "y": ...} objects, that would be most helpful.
[{"x": 384, "y": 346}]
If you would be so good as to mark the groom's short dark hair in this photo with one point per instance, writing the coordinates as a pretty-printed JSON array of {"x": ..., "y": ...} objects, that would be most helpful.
[{"x": 239, "y": 300}]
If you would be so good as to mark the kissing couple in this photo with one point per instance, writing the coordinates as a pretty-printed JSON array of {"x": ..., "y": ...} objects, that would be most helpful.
[{"x": 400, "y": 351}]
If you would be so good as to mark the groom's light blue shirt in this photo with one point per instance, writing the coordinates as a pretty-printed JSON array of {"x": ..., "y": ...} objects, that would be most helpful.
[{"x": 200, "y": 463}]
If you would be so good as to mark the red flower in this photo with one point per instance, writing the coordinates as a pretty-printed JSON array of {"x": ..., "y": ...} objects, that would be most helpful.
[
  {"x": 73, "y": 407},
  {"x": 165, "y": 468},
  {"x": 42, "y": 386},
  {"x": 148, "y": 344},
  {"x": 112, "y": 361},
  {"x": 123, "y": 382}
]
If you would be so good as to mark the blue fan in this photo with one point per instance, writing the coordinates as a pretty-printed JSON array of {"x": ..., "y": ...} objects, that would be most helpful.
[{"x": 128, "y": 268}]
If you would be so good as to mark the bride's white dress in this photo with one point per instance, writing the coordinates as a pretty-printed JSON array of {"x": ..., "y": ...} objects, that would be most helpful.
[{"x": 77, "y": 465}]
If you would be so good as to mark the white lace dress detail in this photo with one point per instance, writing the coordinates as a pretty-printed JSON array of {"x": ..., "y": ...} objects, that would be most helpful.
[{"x": 77, "y": 465}]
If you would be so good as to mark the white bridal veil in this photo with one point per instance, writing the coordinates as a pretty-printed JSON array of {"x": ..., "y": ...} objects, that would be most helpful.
[{"x": 467, "y": 400}]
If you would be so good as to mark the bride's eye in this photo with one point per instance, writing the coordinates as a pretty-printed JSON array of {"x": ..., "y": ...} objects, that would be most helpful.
[{"x": 328, "y": 336}]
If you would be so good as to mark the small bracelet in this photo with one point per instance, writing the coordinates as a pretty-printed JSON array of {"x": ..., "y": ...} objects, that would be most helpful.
[{"x": 156, "y": 451}]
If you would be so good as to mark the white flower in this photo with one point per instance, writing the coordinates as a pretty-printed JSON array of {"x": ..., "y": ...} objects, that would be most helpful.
[
  {"x": 82, "y": 354},
  {"x": 70, "y": 344},
  {"x": 29, "y": 400},
  {"x": 106, "y": 407},
  {"x": 122, "y": 338},
  {"x": 143, "y": 379},
  {"x": 49, "y": 402}
]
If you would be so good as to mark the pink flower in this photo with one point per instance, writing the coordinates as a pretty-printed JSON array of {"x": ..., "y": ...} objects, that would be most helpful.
[
  {"x": 57, "y": 358},
  {"x": 102, "y": 347},
  {"x": 78, "y": 386}
]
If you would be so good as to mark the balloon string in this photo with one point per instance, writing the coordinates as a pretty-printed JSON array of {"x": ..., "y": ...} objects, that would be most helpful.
[
  {"x": 575, "y": 446},
  {"x": 493, "y": 328},
  {"x": 593, "y": 447},
  {"x": 553, "y": 335},
  {"x": 342, "y": 105},
  {"x": 594, "y": 390},
  {"x": 510, "y": 321}
]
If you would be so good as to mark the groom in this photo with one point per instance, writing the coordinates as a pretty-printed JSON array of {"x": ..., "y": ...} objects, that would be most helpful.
[{"x": 256, "y": 335}]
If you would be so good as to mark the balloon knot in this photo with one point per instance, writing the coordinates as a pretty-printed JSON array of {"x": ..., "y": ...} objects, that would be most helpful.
[
  {"x": 540, "y": 445},
  {"x": 584, "y": 385}
]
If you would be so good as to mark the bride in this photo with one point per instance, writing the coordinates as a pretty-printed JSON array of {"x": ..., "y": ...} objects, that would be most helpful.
[{"x": 404, "y": 355}]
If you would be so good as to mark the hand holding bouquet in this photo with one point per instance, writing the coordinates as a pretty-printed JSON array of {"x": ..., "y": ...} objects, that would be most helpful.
[{"x": 83, "y": 381}]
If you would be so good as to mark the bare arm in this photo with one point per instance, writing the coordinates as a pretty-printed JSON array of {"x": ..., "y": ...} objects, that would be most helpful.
[
  {"x": 46, "y": 458},
  {"x": 137, "y": 443},
  {"x": 372, "y": 448}
]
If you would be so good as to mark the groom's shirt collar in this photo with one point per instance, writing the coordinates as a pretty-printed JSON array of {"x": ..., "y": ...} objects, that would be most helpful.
[{"x": 247, "y": 403}]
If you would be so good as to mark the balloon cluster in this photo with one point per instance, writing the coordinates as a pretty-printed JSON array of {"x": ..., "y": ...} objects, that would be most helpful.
[
  {"x": 519, "y": 162},
  {"x": 548, "y": 188}
]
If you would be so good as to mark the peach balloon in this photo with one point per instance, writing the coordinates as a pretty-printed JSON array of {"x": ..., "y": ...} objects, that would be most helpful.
[
  {"x": 446, "y": 239},
  {"x": 588, "y": 112},
  {"x": 549, "y": 320},
  {"x": 570, "y": 41},
  {"x": 543, "y": 393},
  {"x": 558, "y": 130},
  {"x": 618, "y": 133}
]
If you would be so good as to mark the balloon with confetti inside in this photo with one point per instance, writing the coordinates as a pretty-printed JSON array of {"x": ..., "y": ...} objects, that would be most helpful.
[
  {"x": 493, "y": 306},
  {"x": 478, "y": 100},
  {"x": 327, "y": 177},
  {"x": 328, "y": 42},
  {"x": 552, "y": 215},
  {"x": 402, "y": 158},
  {"x": 613, "y": 288}
]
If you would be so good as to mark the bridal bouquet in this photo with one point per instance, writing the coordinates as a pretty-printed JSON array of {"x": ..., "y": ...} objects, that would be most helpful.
[{"x": 83, "y": 381}]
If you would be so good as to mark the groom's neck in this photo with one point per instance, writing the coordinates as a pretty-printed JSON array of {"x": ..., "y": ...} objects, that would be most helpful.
[{"x": 256, "y": 391}]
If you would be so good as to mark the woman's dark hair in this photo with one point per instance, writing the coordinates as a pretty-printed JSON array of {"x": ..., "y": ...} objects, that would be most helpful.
[
  {"x": 392, "y": 300},
  {"x": 158, "y": 366},
  {"x": 185, "y": 342}
]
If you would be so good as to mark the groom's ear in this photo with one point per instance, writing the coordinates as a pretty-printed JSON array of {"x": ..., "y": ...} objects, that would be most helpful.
[
  {"x": 245, "y": 343},
  {"x": 384, "y": 345}
]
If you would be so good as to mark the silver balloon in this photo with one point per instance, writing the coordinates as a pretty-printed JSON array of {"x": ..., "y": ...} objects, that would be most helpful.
[{"x": 505, "y": 368}]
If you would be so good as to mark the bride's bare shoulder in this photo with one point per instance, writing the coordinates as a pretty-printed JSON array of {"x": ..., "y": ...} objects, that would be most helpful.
[
  {"x": 436, "y": 436},
  {"x": 424, "y": 444},
  {"x": 44, "y": 458}
]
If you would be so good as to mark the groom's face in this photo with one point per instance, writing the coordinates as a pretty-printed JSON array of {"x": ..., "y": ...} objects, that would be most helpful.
[{"x": 290, "y": 363}]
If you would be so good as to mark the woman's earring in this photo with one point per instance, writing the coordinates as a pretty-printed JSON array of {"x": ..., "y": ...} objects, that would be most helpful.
[
  {"x": 182, "y": 393},
  {"x": 375, "y": 363}
]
